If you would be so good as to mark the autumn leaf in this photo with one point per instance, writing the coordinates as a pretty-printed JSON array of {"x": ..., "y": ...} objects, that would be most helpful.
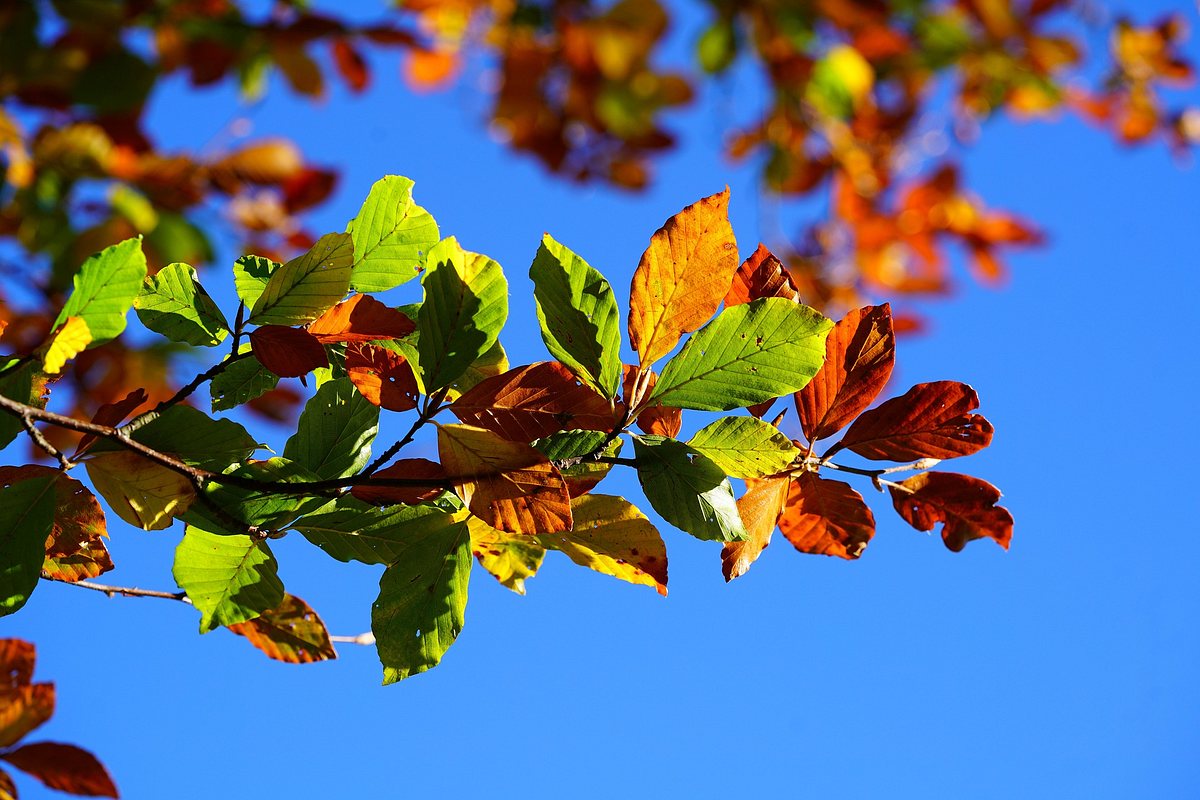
[
  {"x": 759, "y": 507},
  {"x": 860, "y": 352},
  {"x": 142, "y": 493},
  {"x": 682, "y": 277},
  {"x": 24, "y": 708},
  {"x": 509, "y": 485},
  {"x": 509, "y": 559},
  {"x": 408, "y": 469},
  {"x": 292, "y": 632},
  {"x": 64, "y": 344},
  {"x": 825, "y": 517},
  {"x": 383, "y": 376},
  {"x": 655, "y": 419},
  {"x": 17, "y": 658},
  {"x": 761, "y": 275},
  {"x": 287, "y": 352},
  {"x": 111, "y": 415},
  {"x": 362, "y": 318},
  {"x": 75, "y": 549},
  {"x": 930, "y": 420},
  {"x": 966, "y": 506},
  {"x": 63, "y": 767}
]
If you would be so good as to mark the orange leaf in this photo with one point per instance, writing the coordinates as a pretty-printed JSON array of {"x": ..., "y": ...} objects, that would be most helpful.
[
  {"x": 759, "y": 507},
  {"x": 508, "y": 485},
  {"x": 383, "y": 376},
  {"x": 409, "y": 469},
  {"x": 74, "y": 548},
  {"x": 859, "y": 355},
  {"x": 966, "y": 506},
  {"x": 427, "y": 70},
  {"x": 16, "y": 663},
  {"x": 826, "y": 517},
  {"x": 288, "y": 352},
  {"x": 63, "y": 767},
  {"x": 657, "y": 420},
  {"x": 24, "y": 708},
  {"x": 292, "y": 632},
  {"x": 362, "y": 318},
  {"x": 682, "y": 277},
  {"x": 111, "y": 415},
  {"x": 761, "y": 275},
  {"x": 530, "y": 402},
  {"x": 930, "y": 420}
]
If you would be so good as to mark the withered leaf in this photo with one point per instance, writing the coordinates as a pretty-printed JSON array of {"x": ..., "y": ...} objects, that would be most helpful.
[
  {"x": 965, "y": 505},
  {"x": 64, "y": 767},
  {"x": 761, "y": 275},
  {"x": 383, "y": 376},
  {"x": 291, "y": 632},
  {"x": 408, "y": 469},
  {"x": 24, "y": 708},
  {"x": 759, "y": 508},
  {"x": 930, "y": 420},
  {"x": 826, "y": 517}
]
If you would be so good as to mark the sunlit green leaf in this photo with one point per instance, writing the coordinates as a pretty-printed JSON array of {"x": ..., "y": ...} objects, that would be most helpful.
[
  {"x": 308, "y": 285},
  {"x": 334, "y": 435},
  {"x": 745, "y": 447},
  {"x": 175, "y": 305},
  {"x": 350, "y": 530},
  {"x": 391, "y": 236},
  {"x": 105, "y": 288},
  {"x": 250, "y": 276},
  {"x": 26, "y": 516},
  {"x": 230, "y": 579}
]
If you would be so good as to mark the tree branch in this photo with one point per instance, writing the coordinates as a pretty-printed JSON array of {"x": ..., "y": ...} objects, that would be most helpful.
[{"x": 184, "y": 392}]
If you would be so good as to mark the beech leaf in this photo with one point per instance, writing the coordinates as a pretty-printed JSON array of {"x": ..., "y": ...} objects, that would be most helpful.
[
  {"x": 105, "y": 288},
  {"x": 63, "y": 767},
  {"x": 825, "y": 517},
  {"x": 759, "y": 507},
  {"x": 26, "y": 519},
  {"x": 383, "y": 376},
  {"x": 687, "y": 489},
  {"x": 334, "y": 434},
  {"x": 745, "y": 447},
  {"x": 930, "y": 420},
  {"x": 349, "y": 530},
  {"x": 291, "y": 632},
  {"x": 391, "y": 236},
  {"x": 229, "y": 578},
  {"x": 142, "y": 493},
  {"x": 761, "y": 275},
  {"x": 509, "y": 559},
  {"x": 362, "y": 318},
  {"x": 173, "y": 303},
  {"x": 965, "y": 505},
  {"x": 24, "y": 709},
  {"x": 287, "y": 352},
  {"x": 308, "y": 285}
]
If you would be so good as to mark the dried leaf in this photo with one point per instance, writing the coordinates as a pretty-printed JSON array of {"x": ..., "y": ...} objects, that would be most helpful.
[
  {"x": 509, "y": 559},
  {"x": 24, "y": 708},
  {"x": 17, "y": 658},
  {"x": 966, "y": 506},
  {"x": 530, "y": 402},
  {"x": 655, "y": 419},
  {"x": 826, "y": 517},
  {"x": 761, "y": 275},
  {"x": 63, "y": 767},
  {"x": 111, "y": 415},
  {"x": 759, "y": 507},
  {"x": 383, "y": 376},
  {"x": 292, "y": 632},
  {"x": 930, "y": 420},
  {"x": 362, "y": 318}
]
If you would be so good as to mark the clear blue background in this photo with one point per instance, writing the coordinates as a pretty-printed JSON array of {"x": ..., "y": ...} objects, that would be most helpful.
[{"x": 1064, "y": 668}]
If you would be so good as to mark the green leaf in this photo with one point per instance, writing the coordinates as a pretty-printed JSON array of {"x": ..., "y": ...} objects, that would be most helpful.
[
  {"x": 750, "y": 353},
  {"x": 687, "y": 489},
  {"x": 334, "y": 435},
  {"x": 574, "y": 443},
  {"x": 745, "y": 447},
  {"x": 350, "y": 530},
  {"x": 16, "y": 385},
  {"x": 195, "y": 437},
  {"x": 422, "y": 602},
  {"x": 241, "y": 382},
  {"x": 105, "y": 288},
  {"x": 26, "y": 517},
  {"x": 578, "y": 316},
  {"x": 308, "y": 285},
  {"x": 464, "y": 308},
  {"x": 391, "y": 236},
  {"x": 230, "y": 579},
  {"x": 174, "y": 304},
  {"x": 493, "y": 362},
  {"x": 250, "y": 277},
  {"x": 260, "y": 508}
]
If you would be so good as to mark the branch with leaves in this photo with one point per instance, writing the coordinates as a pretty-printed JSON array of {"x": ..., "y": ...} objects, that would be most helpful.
[{"x": 516, "y": 473}]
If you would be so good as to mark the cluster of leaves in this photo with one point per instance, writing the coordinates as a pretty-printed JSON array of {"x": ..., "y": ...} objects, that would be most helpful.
[
  {"x": 24, "y": 707},
  {"x": 515, "y": 476}
]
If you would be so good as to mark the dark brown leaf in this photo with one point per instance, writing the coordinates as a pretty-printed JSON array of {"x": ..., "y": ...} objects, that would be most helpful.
[
  {"x": 408, "y": 469},
  {"x": 64, "y": 767},
  {"x": 930, "y": 420},
  {"x": 826, "y": 517},
  {"x": 965, "y": 505},
  {"x": 288, "y": 352}
]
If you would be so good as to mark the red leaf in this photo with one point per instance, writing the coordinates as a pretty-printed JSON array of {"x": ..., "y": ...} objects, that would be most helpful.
[
  {"x": 826, "y": 517},
  {"x": 362, "y": 318},
  {"x": 383, "y": 376},
  {"x": 288, "y": 352},
  {"x": 63, "y": 767},
  {"x": 350, "y": 65},
  {"x": 306, "y": 189},
  {"x": 761, "y": 275},
  {"x": 16, "y": 662},
  {"x": 965, "y": 505},
  {"x": 930, "y": 420},
  {"x": 859, "y": 355},
  {"x": 112, "y": 414},
  {"x": 530, "y": 402},
  {"x": 409, "y": 469},
  {"x": 759, "y": 508}
]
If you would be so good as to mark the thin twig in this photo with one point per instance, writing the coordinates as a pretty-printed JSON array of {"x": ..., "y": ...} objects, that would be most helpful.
[
  {"x": 238, "y": 324},
  {"x": 433, "y": 405},
  {"x": 875, "y": 474},
  {"x": 183, "y": 393},
  {"x": 41, "y": 441}
]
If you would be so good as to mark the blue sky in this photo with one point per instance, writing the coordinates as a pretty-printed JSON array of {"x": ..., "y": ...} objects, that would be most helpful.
[{"x": 1063, "y": 668}]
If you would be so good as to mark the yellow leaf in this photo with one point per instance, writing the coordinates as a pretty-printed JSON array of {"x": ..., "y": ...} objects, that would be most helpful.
[
  {"x": 613, "y": 537},
  {"x": 71, "y": 338},
  {"x": 683, "y": 277},
  {"x": 140, "y": 492},
  {"x": 510, "y": 559},
  {"x": 852, "y": 70}
]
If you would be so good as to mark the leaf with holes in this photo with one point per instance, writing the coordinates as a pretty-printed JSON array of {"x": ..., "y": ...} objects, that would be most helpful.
[
  {"x": 291, "y": 632},
  {"x": 966, "y": 506},
  {"x": 391, "y": 236},
  {"x": 334, "y": 434},
  {"x": 383, "y": 376}
]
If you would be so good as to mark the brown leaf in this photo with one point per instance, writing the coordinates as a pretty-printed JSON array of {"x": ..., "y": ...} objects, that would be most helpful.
[
  {"x": 292, "y": 632},
  {"x": 362, "y": 318},
  {"x": 530, "y": 402},
  {"x": 24, "y": 708},
  {"x": 966, "y": 506},
  {"x": 930, "y": 420},
  {"x": 75, "y": 550},
  {"x": 759, "y": 507},
  {"x": 682, "y": 277},
  {"x": 383, "y": 376},
  {"x": 16, "y": 663},
  {"x": 112, "y": 414},
  {"x": 407, "y": 468},
  {"x": 288, "y": 352},
  {"x": 508, "y": 485},
  {"x": 8, "y": 789},
  {"x": 859, "y": 355},
  {"x": 268, "y": 162},
  {"x": 657, "y": 420},
  {"x": 826, "y": 517},
  {"x": 351, "y": 65},
  {"x": 761, "y": 275},
  {"x": 64, "y": 767}
]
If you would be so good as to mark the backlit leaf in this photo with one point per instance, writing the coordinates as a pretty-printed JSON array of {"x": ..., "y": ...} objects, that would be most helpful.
[
  {"x": 465, "y": 305},
  {"x": 64, "y": 344},
  {"x": 422, "y": 601},
  {"x": 362, "y": 318},
  {"x": 291, "y": 632},
  {"x": 826, "y": 517},
  {"x": 492, "y": 363},
  {"x": 254, "y": 507},
  {"x": 250, "y": 276},
  {"x": 759, "y": 507},
  {"x": 745, "y": 447},
  {"x": 287, "y": 352},
  {"x": 510, "y": 559},
  {"x": 761, "y": 275},
  {"x": 23, "y": 709},
  {"x": 391, "y": 235},
  {"x": 17, "y": 658},
  {"x": 333, "y": 437},
  {"x": 111, "y": 415},
  {"x": 687, "y": 490},
  {"x": 197, "y": 438},
  {"x": 383, "y": 376},
  {"x": 583, "y": 476},
  {"x": 930, "y": 420},
  {"x": 530, "y": 402},
  {"x": 308, "y": 285},
  {"x": 859, "y": 354},
  {"x": 353, "y": 531},
  {"x": 142, "y": 493},
  {"x": 655, "y": 419},
  {"x": 242, "y": 381},
  {"x": 508, "y": 485},
  {"x": 409, "y": 469},
  {"x": 63, "y": 767},
  {"x": 26, "y": 516},
  {"x": 229, "y": 578},
  {"x": 174, "y": 304},
  {"x": 750, "y": 353},
  {"x": 966, "y": 506},
  {"x": 682, "y": 277},
  {"x": 75, "y": 549},
  {"x": 105, "y": 288},
  {"x": 578, "y": 316}
]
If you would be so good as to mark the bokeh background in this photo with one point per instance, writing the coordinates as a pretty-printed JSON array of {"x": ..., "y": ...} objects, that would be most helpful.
[{"x": 1063, "y": 668}]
